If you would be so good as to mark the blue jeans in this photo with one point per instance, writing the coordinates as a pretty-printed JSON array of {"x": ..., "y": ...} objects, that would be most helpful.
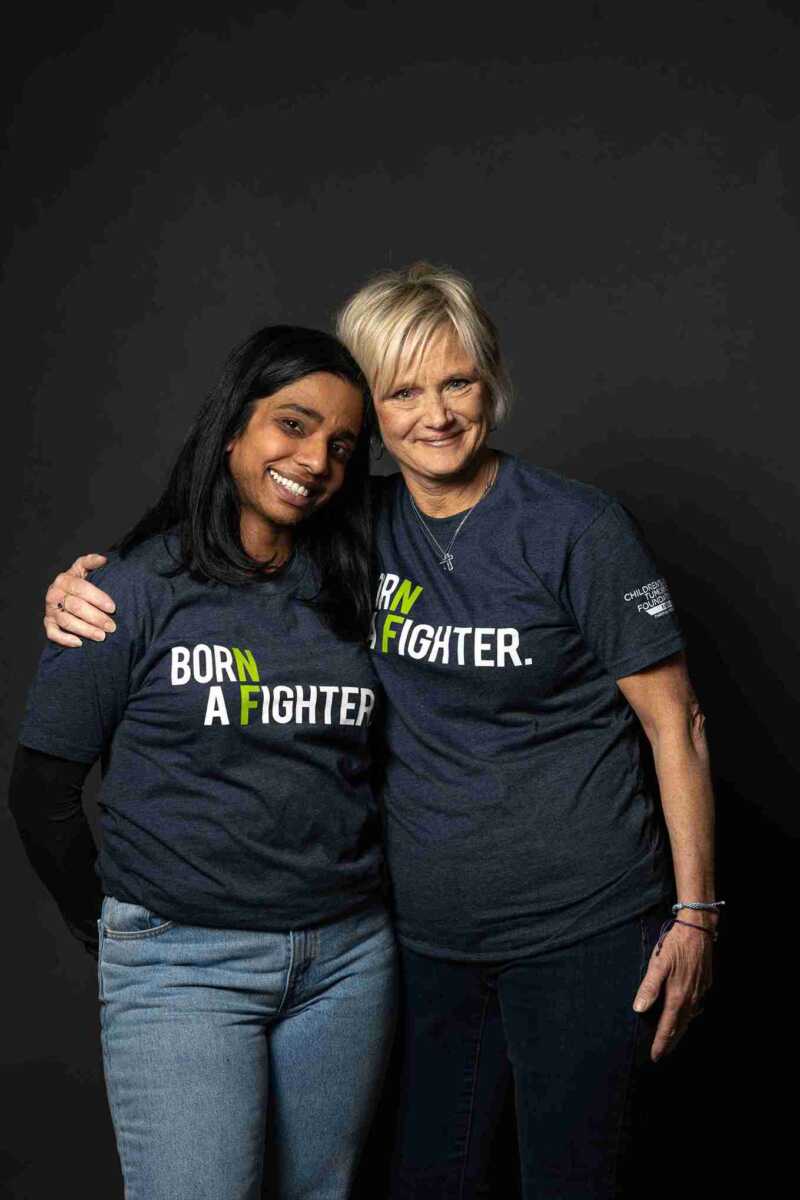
[
  {"x": 217, "y": 1043},
  {"x": 560, "y": 1029}
]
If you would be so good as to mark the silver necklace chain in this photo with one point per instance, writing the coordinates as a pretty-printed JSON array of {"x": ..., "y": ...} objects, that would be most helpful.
[{"x": 447, "y": 559}]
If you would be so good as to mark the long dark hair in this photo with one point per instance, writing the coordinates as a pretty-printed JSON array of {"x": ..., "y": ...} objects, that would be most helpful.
[{"x": 201, "y": 500}]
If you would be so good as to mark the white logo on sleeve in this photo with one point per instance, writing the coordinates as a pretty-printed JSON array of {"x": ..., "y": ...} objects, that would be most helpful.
[{"x": 652, "y": 598}]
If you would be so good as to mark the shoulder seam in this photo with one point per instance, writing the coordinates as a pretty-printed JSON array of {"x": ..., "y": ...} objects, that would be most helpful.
[
  {"x": 590, "y": 526},
  {"x": 544, "y": 587}
]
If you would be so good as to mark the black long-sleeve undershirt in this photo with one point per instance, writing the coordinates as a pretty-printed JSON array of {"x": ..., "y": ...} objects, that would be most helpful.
[{"x": 44, "y": 797}]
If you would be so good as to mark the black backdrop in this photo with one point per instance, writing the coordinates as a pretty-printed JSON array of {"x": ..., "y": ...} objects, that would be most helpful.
[{"x": 620, "y": 180}]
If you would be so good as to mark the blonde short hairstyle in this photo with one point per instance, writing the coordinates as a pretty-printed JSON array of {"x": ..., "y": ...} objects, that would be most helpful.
[{"x": 393, "y": 317}]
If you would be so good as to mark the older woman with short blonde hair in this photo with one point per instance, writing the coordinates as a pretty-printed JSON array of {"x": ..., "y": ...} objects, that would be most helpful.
[
  {"x": 396, "y": 314},
  {"x": 521, "y": 628},
  {"x": 555, "y": 934}
]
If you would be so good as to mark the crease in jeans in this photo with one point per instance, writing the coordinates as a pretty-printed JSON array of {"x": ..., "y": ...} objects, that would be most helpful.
[
  {"x": 289, "y": 970},
  {"x": 475, "y": 1069},
  {"x": 123, "y": 1140}
]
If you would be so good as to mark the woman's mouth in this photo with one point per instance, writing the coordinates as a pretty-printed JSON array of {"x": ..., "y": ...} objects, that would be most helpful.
[
  {"x": 447, "y": 439},
  {"x": 290, "y": 490}
]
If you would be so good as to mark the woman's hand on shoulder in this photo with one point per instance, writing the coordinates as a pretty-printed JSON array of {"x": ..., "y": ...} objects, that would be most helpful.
[{"x": 75, "y": 608}]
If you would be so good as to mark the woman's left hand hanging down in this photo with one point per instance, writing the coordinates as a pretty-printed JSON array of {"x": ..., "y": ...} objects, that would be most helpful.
[
  {"x": 681, "y": 967},
  {"x": 664, "y": 701}
]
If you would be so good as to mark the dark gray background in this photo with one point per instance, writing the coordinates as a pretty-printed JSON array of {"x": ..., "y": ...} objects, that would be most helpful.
[{"x": 620, "y": 180}]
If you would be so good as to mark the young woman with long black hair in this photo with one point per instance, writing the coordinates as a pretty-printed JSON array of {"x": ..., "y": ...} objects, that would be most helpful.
[{"x": 246, "y": 961}]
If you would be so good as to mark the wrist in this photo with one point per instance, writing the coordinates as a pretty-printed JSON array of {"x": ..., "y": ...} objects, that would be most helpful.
[
  {"x": 693, "y": 936},
  {"x": 682, "y": 908},
  {"x": 697, "y": 916}
]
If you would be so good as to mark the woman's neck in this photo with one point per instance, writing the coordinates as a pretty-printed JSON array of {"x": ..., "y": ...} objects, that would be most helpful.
[
  {"x": 444, "y": 497},
  {"x": 264, "y": 542}
]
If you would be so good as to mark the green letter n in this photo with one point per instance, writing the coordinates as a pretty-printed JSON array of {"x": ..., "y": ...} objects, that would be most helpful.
[
  {"x": 245, "y": 664},
  {"x": 405, "y": 598}
]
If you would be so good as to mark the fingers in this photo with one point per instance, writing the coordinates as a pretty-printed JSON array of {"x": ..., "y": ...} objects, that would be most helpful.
[
  {"x": 680, "y": 970},
  {"x": 70, "y": 623},
  {"x": 86, "y": 563},
  {"x": 74, "y": 585},
  {"x": 680, "y": 1009},
  {"x": 64, "y": 608},
  {"x": 82, "y": 599},
  {"x": 672, "y": 1026},
  {"x": 649, "y": 988},
  {"x": 75, "y": 608},
  {"x": 60, "y": 636}
]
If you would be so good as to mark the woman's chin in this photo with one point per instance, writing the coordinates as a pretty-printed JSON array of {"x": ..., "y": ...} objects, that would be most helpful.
[{"x": 444, "y": 463}]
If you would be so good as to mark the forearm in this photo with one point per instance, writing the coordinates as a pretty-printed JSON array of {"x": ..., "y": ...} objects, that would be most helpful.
[
  {"x": 45, "y": 801},
  {"x": 682, "y": 766}
]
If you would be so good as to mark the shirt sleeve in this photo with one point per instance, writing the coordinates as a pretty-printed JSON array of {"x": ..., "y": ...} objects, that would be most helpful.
[
  {"x": 44, "y": 797},
  {"x": 79, "y": 695},
  {"x": 618, "y": 597}
]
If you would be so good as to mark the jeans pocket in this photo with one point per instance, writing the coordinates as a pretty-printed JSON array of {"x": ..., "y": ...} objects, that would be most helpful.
[
  {"x": 126, "y": 921},
  {"x": 652, "y": 924},
  {"x": 644, "y": 956}
]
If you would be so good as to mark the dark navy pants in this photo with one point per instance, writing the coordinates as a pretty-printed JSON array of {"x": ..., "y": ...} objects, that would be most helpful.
[{"x": 560, "y": 1029}]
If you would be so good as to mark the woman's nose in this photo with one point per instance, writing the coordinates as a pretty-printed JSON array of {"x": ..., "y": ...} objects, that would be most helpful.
[
  {"x": 313, "y": 455},
  {"x": 437, "y": 413}
]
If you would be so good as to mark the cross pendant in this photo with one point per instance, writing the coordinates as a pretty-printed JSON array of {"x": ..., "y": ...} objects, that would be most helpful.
[{"x": 447, "y": 561}]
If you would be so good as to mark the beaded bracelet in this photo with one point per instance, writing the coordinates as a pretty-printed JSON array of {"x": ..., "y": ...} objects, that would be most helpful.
[
  {"x": 701, "y": 905},
  {"x": 665, "y": 928}
]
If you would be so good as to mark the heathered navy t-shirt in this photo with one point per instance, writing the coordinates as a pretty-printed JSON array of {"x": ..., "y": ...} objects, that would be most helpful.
[
  {"x": 232, "y": 724},
  {"x": 517, "y": 816}
]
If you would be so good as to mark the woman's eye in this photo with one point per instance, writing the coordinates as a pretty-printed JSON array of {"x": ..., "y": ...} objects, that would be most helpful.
[
  {"x": 342, "y": 450},
  {"x": 292, "y": 425},
  {"x": 458, "y": 383},
  {"x": 401, "y": 394}
]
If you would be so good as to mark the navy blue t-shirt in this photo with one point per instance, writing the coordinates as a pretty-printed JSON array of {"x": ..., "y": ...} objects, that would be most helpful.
[
  {"x": 516, "y": 811},
  {"x": 233, "y": 726}
]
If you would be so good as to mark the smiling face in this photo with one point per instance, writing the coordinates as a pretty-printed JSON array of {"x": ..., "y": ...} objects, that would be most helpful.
[
  {"x": 434, "y": 414},
  {"x": 291, "y": 457}
]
